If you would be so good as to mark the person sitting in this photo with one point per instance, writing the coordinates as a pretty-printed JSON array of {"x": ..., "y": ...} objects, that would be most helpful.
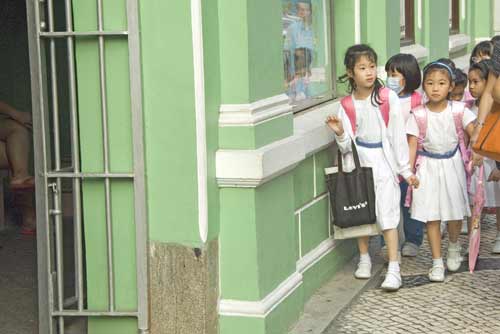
[{"x": 15, "y": 135}]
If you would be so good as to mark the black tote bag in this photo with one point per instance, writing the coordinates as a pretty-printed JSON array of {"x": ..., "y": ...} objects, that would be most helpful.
[{"x": 352, "y": 195}]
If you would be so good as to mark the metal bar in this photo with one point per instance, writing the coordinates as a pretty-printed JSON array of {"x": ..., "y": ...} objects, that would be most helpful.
[
  {"x": 65, "y": 34},
  {"x": 105, "y": 137},
  {"x": 77, "y": 175},
  {"x": 59, "y": 257},
  {"x": 75, "y": 151},
  {"x": 93, "y": 314},
  {"x": 36, "y": 55},
  {"x": 141, "y": 227}
]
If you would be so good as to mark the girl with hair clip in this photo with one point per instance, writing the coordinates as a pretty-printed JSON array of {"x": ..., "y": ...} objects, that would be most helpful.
[
  {"x": 481, "y": 51},
  {"x": 404, "y": 78},
  {"x": 439, "y": 153},
  {"x": 478, "y": 75},
  {"x": 371, "y": 117}
]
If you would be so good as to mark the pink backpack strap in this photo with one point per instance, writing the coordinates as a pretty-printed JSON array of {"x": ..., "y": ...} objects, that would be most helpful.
[
  {"x": 458, "y": 109},
  {"x": 420, "y": 114},
  {"x": 348, "y": 105},
  {"x": 385, "y": 108},
  {"x": 416, "y": 99}
]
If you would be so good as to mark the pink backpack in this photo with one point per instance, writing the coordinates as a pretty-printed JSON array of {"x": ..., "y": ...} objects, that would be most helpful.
[
  {"x": 348, "y": 105},
  {"x": 420, "y": 113}
]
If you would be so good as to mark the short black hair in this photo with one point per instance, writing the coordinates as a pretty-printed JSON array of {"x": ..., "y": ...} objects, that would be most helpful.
[
  {"x": 495, "y": 39},
  {"x": 460, "y": 78},
  {"x": 482, "y": 67},
  {"x": 449, "y": 62},
  {"x": 484, "y": 48},
  {"x": 407, "y": 65}
]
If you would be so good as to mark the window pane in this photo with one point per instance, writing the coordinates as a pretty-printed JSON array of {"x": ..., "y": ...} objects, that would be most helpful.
[
  {"x": 306, "y": 50},
  {"x": 402, "y": 19}
]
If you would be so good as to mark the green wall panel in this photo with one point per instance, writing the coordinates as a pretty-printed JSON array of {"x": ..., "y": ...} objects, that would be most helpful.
[
  {"x": 436, "y": 29},
  {"x": 241, "y": 325},
  {"x": 275, "y": 233},
  {"x": 343, "y": 12},
  {"x": 483, "y": 12},
  {"x": 169, "y": 115},
  {"x": 286, "y": 314},
  {"x": 239, "y": 265},
  {"x": 303, "y": 181},
  {"x": 314, "y": 223},
  {"x": 253, "y": 137}
]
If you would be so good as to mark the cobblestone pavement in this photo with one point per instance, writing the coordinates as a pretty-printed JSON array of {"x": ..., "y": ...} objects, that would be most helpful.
[{"x": 464, "y": 303}]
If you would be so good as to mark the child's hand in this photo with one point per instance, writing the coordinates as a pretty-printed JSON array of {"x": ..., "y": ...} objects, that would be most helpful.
[
  {"x": 413, "y": 181},
  {"x": 335, "y": 124},
  {"x": 477, "y": 160}
]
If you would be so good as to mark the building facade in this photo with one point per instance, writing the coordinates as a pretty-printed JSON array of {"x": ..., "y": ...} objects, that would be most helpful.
[{"x": 186, "y": 142}]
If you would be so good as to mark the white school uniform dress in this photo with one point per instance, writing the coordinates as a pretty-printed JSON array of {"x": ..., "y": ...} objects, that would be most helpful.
[
  {"x": 387, "y": 162},
  {"x": 492, "y": 189},
  {"x": 442, "y": 194}
]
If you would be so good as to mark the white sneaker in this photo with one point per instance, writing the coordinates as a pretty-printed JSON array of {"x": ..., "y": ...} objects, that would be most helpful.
[
  {"x": 436, "y": 274},
  {"x": 410, "y": 249},
  {"x": 364, "y": 270},
  {"x": 392, "y": 281},
  {"x": 496, "y": 245},
  {"x": 454, "y": 259}
]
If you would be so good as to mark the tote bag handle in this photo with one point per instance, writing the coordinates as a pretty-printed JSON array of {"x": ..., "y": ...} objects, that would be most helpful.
[{"x": 357, "y": 163}]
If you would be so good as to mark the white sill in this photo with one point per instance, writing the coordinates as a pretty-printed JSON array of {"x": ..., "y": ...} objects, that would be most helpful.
[
  {"x": 418, "y": 51},
  {"x": 458, "y": 42}
]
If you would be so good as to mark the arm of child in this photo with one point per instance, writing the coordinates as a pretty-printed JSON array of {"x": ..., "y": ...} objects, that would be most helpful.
[
  {"x": 338, "y": 124},
  {"x": 397, "y": 137},
  {"x": 24, "y": 118},
  {"x": 412, "y": 144},
  {"x": 468, "y": 123}
]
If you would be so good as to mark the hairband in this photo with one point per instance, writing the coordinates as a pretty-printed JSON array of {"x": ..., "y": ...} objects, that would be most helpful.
[{"x": 448, "y": 68}]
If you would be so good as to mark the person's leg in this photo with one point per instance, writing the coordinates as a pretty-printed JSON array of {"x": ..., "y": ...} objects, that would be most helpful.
[
  {"x": 392, "y": 281},
  {"x": 391, "y": 240},
  {"x": 17, "y": 143},
  {"x": 454, "y": 258},
  {"x": 436, "y": 273},
  {"x": 365, "y": 265}
]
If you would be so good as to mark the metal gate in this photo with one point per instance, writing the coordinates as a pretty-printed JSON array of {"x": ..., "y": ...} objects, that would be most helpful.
[{"x": 56, "y": 305}]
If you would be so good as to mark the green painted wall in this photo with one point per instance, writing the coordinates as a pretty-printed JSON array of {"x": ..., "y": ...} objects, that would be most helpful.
[
  {"x": 344, "y": 35},
  {"x": 435, "y": 28},
  {"x": 483, "y": 12}
]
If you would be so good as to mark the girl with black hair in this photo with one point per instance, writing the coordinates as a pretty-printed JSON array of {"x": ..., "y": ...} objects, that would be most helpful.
[
  {"x": 438, "y": 151},
  {"x": 404, "y": 78},
  {"x": 371, "y": 117},
  {"x": 478, "y": 75},
  {"x": 481, "y": 51}
]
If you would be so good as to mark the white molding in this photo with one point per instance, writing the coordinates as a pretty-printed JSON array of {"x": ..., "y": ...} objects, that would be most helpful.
[
  {"x": 381, "y": 73},
  {"x": 201, "y": 136},
  {"x": 481, "y": 39},
  {"x": 260, "y": 309},
  {"x": 314, "y": 256},
  {"x": 251, "y": 168},
  {"x": 357, "y": 21},
  {"x": 255, "y": 113},
  {"x": 311, "y": 203},
  {"x": 419, "y": 14},
  {"x": 418, "y": 51},
  {"x": 463, "y": 9},
  {"x": 458, "y": 42}
]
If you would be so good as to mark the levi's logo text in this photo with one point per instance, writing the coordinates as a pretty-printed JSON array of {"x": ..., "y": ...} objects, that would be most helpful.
[{"x": 356, "y": 207}]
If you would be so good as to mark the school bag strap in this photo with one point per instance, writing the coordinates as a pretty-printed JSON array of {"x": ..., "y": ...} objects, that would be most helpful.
[
  {"x": 348, "y": 105},
  {"x": 416, "y": 99}
]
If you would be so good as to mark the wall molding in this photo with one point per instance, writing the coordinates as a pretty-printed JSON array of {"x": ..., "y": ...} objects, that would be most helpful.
[
  {"x": 458, "y": 42},
  {"x": 251, "y": 168},
  {"x": 254, "y": 113},
  {"x": 418, "y": 51},
  {"x": 262, "y": 308}
]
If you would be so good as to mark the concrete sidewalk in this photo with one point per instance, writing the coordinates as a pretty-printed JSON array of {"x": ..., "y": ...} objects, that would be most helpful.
[{"x": 464, "y": 303}]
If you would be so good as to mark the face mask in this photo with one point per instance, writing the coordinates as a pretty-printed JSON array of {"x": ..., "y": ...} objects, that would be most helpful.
[{"x": 393, "y": 84}]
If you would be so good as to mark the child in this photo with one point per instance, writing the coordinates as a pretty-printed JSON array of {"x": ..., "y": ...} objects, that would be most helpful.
[
  {"x": 404, "y": 78},
  {"x": 458, "y": 93},
  {"x": 372, "y": 117},
  {"x": 299, "y": 45},
  {"x": 478, "y": 74},
  {"x": 436, "y": 135},
  {"x": 481, "y": 51}
]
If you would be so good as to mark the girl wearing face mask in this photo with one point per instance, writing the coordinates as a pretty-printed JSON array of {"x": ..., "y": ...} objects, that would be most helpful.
[{"x": 404, "y": 78}]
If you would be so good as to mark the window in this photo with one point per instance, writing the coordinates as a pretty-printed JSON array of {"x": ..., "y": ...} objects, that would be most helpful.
[
  {"x": 454, "y": 17},
  {"x": 407, "y": 22},
  {"x": 307, "y": 52}
]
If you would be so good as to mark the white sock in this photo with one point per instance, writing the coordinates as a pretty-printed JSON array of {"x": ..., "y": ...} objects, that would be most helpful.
[
  {"x": 453, "y": 245},
  {"x": 438, "y": 262},
  {"x": 393, "y": 267},
  {"x": 365, "y": 258}
]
